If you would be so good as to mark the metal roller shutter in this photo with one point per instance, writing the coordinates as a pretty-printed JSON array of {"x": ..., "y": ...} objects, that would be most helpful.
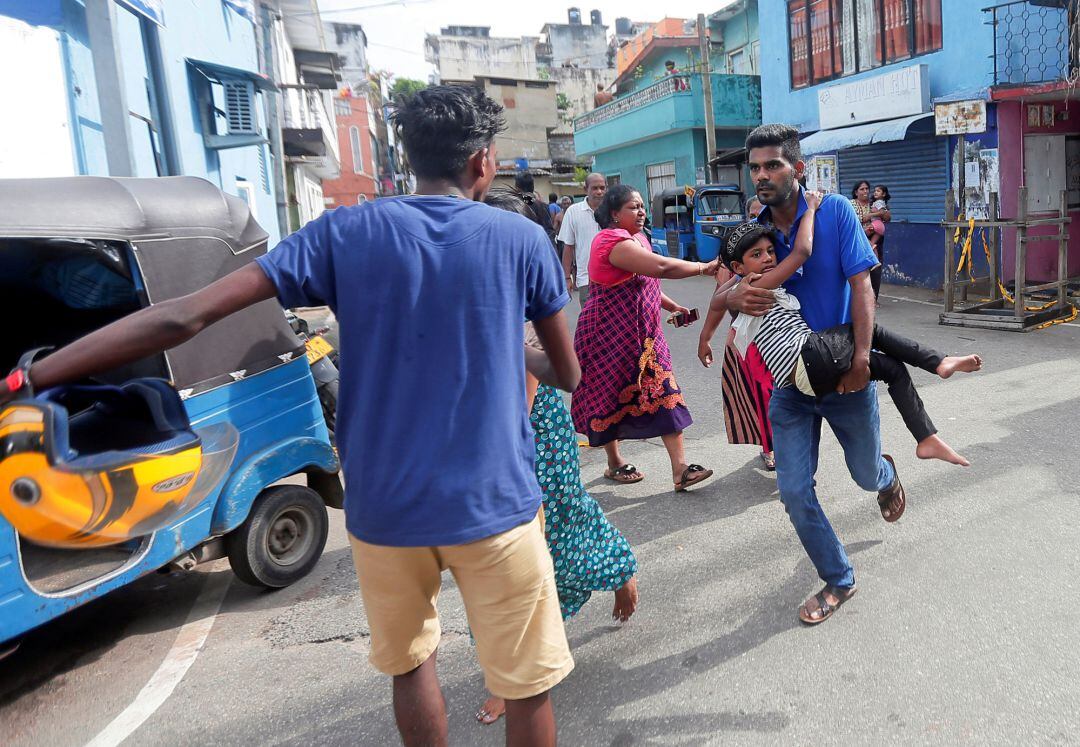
[{"x": 915, "y": 171}]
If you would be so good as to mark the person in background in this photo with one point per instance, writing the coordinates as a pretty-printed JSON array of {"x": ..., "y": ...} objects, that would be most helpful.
[
  {"x": 628, "y": 388},
  {"x": 745, "y": 382},
  {"x": 525, "y": 188},
  {"x": 602, "y": 96},
  {"x": 681, "y": 83},
  {"x": 860, "y": 200},
  {"x": 553, "y": 205},
  {"x": 879, "y": 215},
  {"x": 588, "y": 552},
  {"x": 577, "y": 231}
]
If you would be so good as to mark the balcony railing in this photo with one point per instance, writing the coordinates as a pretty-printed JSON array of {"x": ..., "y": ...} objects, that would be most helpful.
[
  {"x": 1035, "y": 41},
  {"x": 668, "y": 86},
  {"x": 305, "y": 109}
]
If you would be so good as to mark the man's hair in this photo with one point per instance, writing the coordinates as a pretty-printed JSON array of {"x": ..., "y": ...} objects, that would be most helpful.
[
  {"x": 505, "y": 199},
  {"x": 523, "y": 180},
  {"x": 751, "y": 201},
  {"x": 552, "y": 197},
  {"x": 612, "y": 203},
  {"x": 566, "y": 199},
  {"x": 783, "y": 136},
  {"x": 443, "y": 126},
  {"x": 669, "y": 62},
  {"x": 741, "y": 239},
  {"x": 595, "y": 175}
]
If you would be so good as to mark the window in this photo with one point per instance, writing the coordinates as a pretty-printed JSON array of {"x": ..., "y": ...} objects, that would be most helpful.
[
  {"x": 738, "y": 62},
  {"x": 833, "y": 38},
  {"x": 357, "y": 154},
  {"x": 245, "y": 190},
  {"x": 342, "y": 107},
  {"x": 659, "y": 176},
  {"x": 361, "y": 199},
  {"x": 613, "y": 179}
]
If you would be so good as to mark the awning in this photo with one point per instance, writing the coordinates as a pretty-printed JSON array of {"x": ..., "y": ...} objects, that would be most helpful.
[
  {"x": 216, "y": 72},
  {"x": 827, "y": 141}
]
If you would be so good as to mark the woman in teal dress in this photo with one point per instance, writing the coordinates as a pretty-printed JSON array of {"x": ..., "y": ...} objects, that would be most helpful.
[{"x": 589, "y": 554}]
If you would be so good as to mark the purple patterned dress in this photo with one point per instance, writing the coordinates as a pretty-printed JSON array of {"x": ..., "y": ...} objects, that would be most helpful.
[{"x": 627, "y": 389}]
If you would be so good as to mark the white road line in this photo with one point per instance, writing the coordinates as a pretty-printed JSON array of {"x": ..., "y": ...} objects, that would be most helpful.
[
  {"x": 931, "y": 303},
  {"x": 627, "y": 507},
  {"x": 184, "y": 651}
]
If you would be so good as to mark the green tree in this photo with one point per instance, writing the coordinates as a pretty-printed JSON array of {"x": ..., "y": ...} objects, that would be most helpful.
[{"x": 406, "y": 87}]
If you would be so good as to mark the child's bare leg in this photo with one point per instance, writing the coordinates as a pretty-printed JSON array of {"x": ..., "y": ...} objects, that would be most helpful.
[
  {"x": 933, "y": 447},
  {"x": 953, "y": 363}
]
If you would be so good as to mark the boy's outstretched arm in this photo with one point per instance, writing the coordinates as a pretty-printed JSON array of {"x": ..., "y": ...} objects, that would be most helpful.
[
  {"x": 800, "y": 252},
  {"x": 715, "y": 315},
  {"x": 150, "y": 330}
]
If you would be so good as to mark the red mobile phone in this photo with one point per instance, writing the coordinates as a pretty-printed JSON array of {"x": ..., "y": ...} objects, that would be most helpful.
[{"x": 685, "y": 320}]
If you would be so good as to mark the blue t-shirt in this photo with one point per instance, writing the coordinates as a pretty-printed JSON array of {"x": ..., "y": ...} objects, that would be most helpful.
[
  {"x": 841, "y": 251},
  {"x": 430, "y": 294},
  {"x": 553, "y": 208}
]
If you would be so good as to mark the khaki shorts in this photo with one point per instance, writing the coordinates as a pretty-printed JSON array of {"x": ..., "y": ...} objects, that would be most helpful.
[{"x": 508, "y": 585}]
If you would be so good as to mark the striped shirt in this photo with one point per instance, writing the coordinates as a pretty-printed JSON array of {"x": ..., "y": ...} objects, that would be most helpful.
[{"x": 779, "y": 339}]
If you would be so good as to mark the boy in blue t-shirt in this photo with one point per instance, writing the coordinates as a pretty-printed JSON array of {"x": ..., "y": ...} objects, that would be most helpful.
[{"x": 430, "y": 291}]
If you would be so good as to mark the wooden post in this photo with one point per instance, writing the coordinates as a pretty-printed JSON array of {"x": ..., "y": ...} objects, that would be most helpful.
[
  {"x": 948, "y": 279},
  {"x": 995, "y": 246},
  {"x": 1021, "y": 253},
  {"x": 1063, "y": 251}
]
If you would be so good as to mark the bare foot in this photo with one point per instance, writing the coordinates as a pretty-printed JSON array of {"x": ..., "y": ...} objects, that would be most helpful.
[
  {"x": 492, "y": 709},
  {"x": 932, "y": 447},
  {"x": 953, "y": 363},
  {"x": 626, "y": 597}
]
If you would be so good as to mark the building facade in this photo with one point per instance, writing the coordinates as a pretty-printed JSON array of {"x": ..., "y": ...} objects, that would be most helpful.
[
  {"x": 653, "y": 135},
  {"x": 140, "y": 89},
  {"x": 355, "y": 117},
  {"x": 928, "y": 95}
]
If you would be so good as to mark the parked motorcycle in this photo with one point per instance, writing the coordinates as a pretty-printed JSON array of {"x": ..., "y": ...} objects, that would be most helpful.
[{"x": 322, "y": 357}]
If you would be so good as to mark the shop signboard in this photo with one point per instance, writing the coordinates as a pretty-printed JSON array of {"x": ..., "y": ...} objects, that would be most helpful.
[
  {"x": 897, "y": 93},
  {"x": 960, "y": 117}
]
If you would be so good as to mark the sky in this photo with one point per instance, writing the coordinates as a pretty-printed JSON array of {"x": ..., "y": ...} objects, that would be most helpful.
[{"x": 396, "y": 30}]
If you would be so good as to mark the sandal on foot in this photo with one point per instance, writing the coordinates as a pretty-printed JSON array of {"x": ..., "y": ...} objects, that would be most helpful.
[
  {"x": 692, "y": 475},
  {"x": 824, "y": 609},
  {"x": 624, "y": 474},
  {"x": 890, "y": 494},
  {"x": 769, "y": 460}
]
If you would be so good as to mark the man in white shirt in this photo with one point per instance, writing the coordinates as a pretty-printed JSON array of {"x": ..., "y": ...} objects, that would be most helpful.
[{"x": 577, "y": 232}]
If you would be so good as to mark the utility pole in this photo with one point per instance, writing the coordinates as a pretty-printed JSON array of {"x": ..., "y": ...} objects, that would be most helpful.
[{"x": 706, "y": 84}]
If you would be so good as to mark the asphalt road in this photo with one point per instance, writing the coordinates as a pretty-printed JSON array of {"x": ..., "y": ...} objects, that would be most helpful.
[{"x": 963, "y": 630}]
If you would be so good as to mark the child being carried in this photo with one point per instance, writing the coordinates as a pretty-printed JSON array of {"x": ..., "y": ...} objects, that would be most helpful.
[{"x": 814, "y": 362}]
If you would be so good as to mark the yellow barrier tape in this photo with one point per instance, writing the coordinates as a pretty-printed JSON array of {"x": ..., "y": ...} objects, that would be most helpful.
[
  {"x": 1001, "y": 287},
  {"x": 1072, "y": 315}
]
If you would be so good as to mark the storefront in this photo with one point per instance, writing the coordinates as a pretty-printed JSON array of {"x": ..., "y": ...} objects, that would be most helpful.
[{"x": 882, "y": 129}]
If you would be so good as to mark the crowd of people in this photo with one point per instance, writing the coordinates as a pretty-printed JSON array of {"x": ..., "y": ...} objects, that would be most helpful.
[{"x": 458, "y": 451}]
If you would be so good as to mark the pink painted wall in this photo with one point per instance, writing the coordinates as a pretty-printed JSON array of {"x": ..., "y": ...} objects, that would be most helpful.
[{"x": 1012, "y": 126}]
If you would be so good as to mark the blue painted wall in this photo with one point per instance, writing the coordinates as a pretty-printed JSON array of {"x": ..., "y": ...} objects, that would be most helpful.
[
  {"x": 210, "y": 31},
  {"x": 206, "y": 30},
  {"x": 962, "y": 66},
  {"x": 736, "y": 104},
  {"x": 738, "y": 31}
]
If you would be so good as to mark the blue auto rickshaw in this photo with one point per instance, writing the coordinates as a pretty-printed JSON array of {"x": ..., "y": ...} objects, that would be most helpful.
[
  {"x": 78, "y": 253},
  {"x": 718, "y": 208},
  {"x": 673, "y": 223}
]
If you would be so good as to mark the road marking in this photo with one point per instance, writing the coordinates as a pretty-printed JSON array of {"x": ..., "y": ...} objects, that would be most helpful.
[
  {"x": 614, "y": 511},
  {"x": 931, "y": 303},
  {"x": 184, "y": 651}
]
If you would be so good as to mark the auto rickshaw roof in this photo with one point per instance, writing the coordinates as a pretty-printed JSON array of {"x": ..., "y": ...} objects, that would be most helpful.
[{"x": 127, "y": 209}]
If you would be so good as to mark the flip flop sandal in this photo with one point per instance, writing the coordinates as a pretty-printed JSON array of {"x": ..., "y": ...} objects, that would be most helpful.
[
  {"x": 887, "y": 496},
  {"x": 692, "y": 475},
  {"x": 826, "y": 609},
  {"x": 769, "y": 460},
  {"x": 624, "y": 474}
]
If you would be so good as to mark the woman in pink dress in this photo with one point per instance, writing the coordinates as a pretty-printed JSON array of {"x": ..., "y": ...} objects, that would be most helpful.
[{"x": 628, "y": 388}]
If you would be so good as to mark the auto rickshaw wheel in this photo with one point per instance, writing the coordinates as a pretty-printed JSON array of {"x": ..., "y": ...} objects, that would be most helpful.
[{"x": 282, "y": 538}]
